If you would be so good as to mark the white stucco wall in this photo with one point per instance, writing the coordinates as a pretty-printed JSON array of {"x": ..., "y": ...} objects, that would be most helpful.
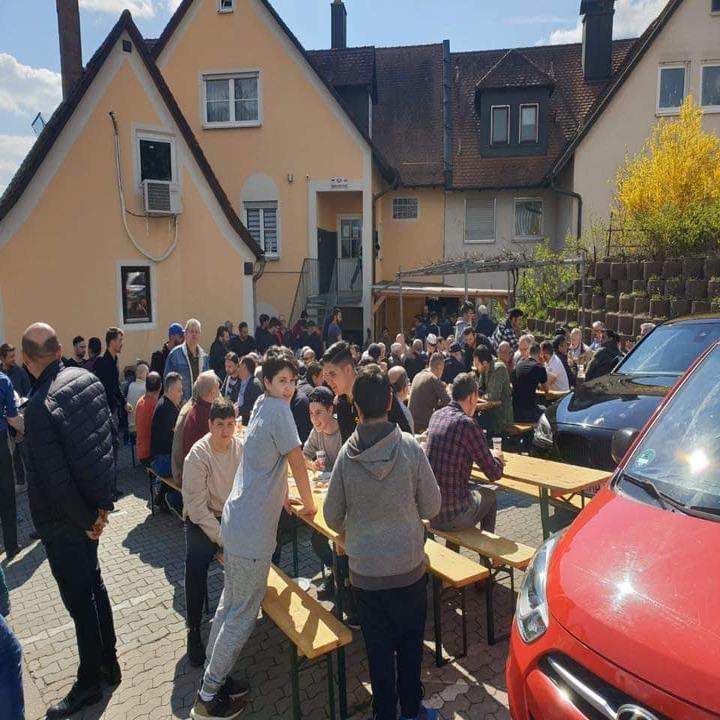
[{"x": 692, "y": 36}]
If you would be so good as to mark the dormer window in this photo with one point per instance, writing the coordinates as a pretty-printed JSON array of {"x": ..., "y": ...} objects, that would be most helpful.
[
  {"x": 529, "y": 123},
  {"x": 226, "y": 6},
  {"x": 715, "y": 7},
  {"x": 500, "y": 125}
]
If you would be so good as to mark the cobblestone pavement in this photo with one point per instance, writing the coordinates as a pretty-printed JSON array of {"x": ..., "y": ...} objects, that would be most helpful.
[{"x": 142, "y": 560}]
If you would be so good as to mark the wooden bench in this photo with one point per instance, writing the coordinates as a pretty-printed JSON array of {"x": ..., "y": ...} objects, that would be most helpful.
[
  {"x": 450, "y": 571},
  {"x": 154, "y": 479},
  {"x": 500, "y": 555},
  {"x": 314, "y": 633}
]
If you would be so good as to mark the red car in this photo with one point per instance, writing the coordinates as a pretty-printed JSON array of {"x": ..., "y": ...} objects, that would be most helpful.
[{"x": 619, "y": 617}]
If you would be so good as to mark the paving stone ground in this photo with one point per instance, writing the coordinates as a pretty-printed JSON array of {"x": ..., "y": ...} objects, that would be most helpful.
[{"x": 142, "y": 559}]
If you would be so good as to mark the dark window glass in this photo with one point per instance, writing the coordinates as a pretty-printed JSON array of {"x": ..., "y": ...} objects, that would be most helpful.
[
  {"x": 136, "y": 296},
  {"x": 155, "y": 160},
  {"x": 500, "y": 133},
  {"x": 711, "y": 85},
  {"x": 528, "y": 123},
  {"x": 672, "y": 88}
]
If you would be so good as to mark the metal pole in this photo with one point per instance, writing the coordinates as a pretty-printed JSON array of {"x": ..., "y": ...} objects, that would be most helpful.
[
  {"x": 465, "y": 267},
  {"x": 400, "y": 295}
]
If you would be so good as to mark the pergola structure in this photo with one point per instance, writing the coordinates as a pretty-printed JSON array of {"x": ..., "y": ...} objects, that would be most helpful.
[{"x": 512, "y": 263}]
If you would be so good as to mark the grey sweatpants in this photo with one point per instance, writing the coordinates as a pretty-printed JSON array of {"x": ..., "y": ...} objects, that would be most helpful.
[
  {"x": 245, "y": 586},
  {"x": 482, "y": 512}
]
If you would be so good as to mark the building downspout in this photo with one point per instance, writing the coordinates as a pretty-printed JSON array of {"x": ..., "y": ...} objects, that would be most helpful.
[
  {"x": 576, "y": 196},
  {"x": 447, "y": 116},
  {"x": 393, "y": 186}
]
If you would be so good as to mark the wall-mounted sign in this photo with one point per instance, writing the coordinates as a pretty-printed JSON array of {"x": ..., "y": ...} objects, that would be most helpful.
[{"x": 338, "y": 182}]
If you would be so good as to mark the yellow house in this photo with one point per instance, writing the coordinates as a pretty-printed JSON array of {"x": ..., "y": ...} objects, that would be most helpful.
[{"x": 116, "y": 217}]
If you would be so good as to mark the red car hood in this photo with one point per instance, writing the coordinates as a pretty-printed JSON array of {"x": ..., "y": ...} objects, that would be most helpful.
[{"x": 641, "y": 587}]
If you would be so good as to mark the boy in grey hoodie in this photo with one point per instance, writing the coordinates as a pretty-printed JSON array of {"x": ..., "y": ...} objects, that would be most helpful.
[{"x": 382, "y": 487}]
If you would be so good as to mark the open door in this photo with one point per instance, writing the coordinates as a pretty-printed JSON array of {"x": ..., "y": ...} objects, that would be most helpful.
[{"x": 327, "y": 254}]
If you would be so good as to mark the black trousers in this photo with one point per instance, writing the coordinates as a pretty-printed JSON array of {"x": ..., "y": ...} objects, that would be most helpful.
[
  {"x": 8, "y": 512},
  {"x": 393, "y": 627},
  {"x": 199, "y": 553},
  {"x": 76, "y": 570}
]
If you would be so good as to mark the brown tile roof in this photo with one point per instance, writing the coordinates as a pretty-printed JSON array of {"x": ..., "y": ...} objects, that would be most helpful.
[
  {"x": 345, "y": 67},
  {"x": 569, "y": 105},
  {"x": 515, "y": 70},
  {"x": 65, "y": 110}
]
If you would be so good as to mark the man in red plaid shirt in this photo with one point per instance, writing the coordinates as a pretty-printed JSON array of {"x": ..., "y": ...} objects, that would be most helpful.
[{"x": 454, "y": 442}]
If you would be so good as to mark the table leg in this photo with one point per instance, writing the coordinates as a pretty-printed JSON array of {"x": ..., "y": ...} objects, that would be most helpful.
[
  {"x": 545, "y": 511},
  {"x": 437, "y": 617},
  {"x": 295, "y": 680},
  {"x": 331, "y": 686},
  {"x": 296, "y": 559},
  {"x": 342, "y": 680}
]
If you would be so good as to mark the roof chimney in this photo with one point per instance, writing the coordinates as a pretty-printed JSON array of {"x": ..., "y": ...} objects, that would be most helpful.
[
  {"x": 597, "y": 38},
  {"x": 339, "y": 25},
  {"x": 70, "y": 47}
]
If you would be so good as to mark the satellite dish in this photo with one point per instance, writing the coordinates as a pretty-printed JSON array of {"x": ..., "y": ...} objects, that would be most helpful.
[{"x": 38, "y": 124}]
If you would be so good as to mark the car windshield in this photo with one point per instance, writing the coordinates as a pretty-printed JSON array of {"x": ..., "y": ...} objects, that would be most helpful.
[
  {"x": 680, "y": 454},
  {"x": 671, "y": 349}
]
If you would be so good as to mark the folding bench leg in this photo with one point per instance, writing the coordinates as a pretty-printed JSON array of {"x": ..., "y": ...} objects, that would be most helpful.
[
  {"x": 489, "y": 604},
  {"x": 295, "y": 680},
  {"x": 331, "y": 686},
  {"x": 342, "y": 679},
  {"x": 437, "y": 617},
  {"x": 152, "y": 493},
  {"x": 464, "y": 622}
]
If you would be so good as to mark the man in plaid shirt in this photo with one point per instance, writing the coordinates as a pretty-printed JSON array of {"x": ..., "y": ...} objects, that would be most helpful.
[
  {"x": 509, "y": 331},
  {"x": 454, "y": 442}
]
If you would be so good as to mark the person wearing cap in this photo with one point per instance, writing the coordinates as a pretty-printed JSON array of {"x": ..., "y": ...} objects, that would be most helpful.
[
  {"x": 509, "y": 330},
  {"x": 176, "y": 335},
  {"x": 429, "y": 393},
  {"x": 454, "y": 363},
  {"x": 606, "y": 358},
  {"x": 485, "y": 324},
  {"x": 188, "y": 359}
]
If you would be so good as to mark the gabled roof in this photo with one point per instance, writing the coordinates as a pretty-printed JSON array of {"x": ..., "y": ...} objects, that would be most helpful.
[
  {"x": 345, "y": 67},
  {"x": 67, "y": 107},
  {"x": 407, "y": 113},
  {"x": 570, "y": 103},
  {"x": 388, "y": 172},
  {"x": 639, "y": 49},
  {"x": 514, "y": 70}
]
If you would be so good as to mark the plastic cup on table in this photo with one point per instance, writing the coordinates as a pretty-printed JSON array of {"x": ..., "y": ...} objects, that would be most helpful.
[
  {"x": 321, "y": 459},
  {"x": 497, "y": 444}
]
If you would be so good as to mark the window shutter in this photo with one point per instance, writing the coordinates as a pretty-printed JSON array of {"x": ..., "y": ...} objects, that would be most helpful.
[
  {"x": 253, "y": 224},
  {"x": 479, "y": 219},
  {"x": 270, "y": 228}
]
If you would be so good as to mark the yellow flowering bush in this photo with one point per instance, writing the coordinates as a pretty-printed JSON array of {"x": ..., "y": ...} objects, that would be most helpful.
[{"x": 668, "y": 196}]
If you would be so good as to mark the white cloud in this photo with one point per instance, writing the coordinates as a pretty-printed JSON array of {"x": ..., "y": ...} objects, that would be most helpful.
[
  {"x": 27, "y": 90},
  {"x": 631, "y": 18},
  {"x": 13, "y": 149},
  {"x": 139, "y": 8},
  {"x": 172, "y": 5}
]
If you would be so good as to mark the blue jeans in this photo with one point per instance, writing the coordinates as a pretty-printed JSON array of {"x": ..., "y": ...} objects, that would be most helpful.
[{"x": 11, "y": 689}]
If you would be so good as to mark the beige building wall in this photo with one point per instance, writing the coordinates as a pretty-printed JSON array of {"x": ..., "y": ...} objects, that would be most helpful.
[
  {"x": 304, "y": 139},
  {"x": 410, "y": 243},
  {"x": 691, "y": 37},
  {"x": 62, "y": 245},
  {"x": 505, "y": 241}
]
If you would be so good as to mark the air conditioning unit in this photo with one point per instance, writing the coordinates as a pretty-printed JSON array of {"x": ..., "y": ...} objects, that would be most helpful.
[{"x": 160, "y": 198}]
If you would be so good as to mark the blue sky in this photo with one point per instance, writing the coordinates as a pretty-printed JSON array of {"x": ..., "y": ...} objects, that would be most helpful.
[{"x": 30, "y": 64}]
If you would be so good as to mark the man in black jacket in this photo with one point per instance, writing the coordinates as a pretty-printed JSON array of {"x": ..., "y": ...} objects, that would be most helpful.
[
  {"x": 69, "y": 436},
  {"x": 106, "y": 369},
  {"x": 606, "y": 358}
]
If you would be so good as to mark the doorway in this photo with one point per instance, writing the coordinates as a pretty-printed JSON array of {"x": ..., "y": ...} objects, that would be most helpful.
[{"x": 349, "y": 251}]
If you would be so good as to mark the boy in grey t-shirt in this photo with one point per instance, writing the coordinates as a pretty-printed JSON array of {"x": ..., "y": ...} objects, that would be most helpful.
[
  {"x": 248, "y": 530},
  {"x": 325, "y": 436}
]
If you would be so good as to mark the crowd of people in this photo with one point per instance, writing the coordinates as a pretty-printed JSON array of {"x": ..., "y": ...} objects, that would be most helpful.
[{"x": 395, "y": 427}]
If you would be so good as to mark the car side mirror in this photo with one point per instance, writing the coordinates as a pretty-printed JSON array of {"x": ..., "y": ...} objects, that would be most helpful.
[{"x": 621, "y": 442}]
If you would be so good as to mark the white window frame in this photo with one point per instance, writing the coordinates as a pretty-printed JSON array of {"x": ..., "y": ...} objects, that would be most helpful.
[
  {"x": 671, "y": 66},
  {"x": 223, "y": 9},
  {"x": 406, "y": 219},
  {"x": 708, "y": 108},
  {"x": 133, "y": 327},
  {"x": 492, "y": 125},
  {"x": 230, "y": 76},
  {"x": 152, "y": 135},
  {"x": 262, "y": 206},
  {"x": 531, "y": 238},
  {"x": 482, "y": 241},
  {"x": 537, "y": 124}
]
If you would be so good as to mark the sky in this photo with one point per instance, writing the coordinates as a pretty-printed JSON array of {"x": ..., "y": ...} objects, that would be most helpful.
[{"x": 30, "y": 62}]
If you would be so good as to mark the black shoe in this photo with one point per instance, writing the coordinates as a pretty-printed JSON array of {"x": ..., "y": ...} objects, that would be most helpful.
[
  {"x": 327, "y": 590},
  {"x": 352, "y": 621},
  {"x": 221, "y": 707},
  {"x": 234, "y": 689},
  {"x": 34, "y": 535},
  {"x": 75, "y": 700},
  {"x": 111, "y": 673},
  {"x": 195, "y": 648},
  {"x": 12, "y": 553}
]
